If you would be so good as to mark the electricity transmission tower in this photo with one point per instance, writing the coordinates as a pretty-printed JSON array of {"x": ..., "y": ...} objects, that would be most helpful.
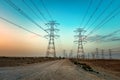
[
  {"x": 110, "y": 55},
  {"x": 80, "y": 40},
  {"x": 93, "y": 55},
  {"x": 97, "y": 53},
  {"x": 102, "y": 51},
  {"x": 51, "y": 36},
  {"x": 65, "y": 54},
  {"x": 88, "y": 56},
  {"x": 71, "y": 54}
]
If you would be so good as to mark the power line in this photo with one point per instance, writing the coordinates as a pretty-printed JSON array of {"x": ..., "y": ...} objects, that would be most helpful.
[
  {"x": 46, "y": 9},
  {"x": 110, "y": 19},
  {"x": 109, "y": 35},
  {"x": 23, "y": 13},
  {"x": 101, "y": 13},
  {"x": 116, "y": 48},
  {"x": 93, "y": 12},
  {"x": 86, "y": 12},
  {"x": 105, "y": 20},
  {"x": 38, "y": 10},
  {"x": 31, "y": 9},
  {"x": 21, "y": 27}
]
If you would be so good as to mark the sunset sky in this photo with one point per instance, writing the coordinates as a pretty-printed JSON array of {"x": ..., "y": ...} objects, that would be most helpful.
[{"x": 70, "y": 14}]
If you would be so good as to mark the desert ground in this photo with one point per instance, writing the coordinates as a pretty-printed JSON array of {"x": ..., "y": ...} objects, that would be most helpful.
[
  {"x": 104, "y": 65},
  {"x": 60, "y": 69}
]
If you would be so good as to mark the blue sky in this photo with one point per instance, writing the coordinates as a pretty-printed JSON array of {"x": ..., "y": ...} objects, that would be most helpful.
[{"x": 69, "y": 13}]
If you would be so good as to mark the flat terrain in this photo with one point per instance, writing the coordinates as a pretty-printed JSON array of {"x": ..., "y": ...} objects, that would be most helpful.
[
  {"x": 111, "y": 66},
  {"x": 22, "y": 61},
  {"x": 51, "y": 70}
]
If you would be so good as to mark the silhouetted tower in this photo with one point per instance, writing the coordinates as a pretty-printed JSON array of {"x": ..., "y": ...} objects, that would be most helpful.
[
  {"x": 71, "y": 54},
  {"x": 102, "y": 53},
  {"x": 97, "y": 53},
  {"x": 80, "y": 40},
  {"x": 88, "y": 56},
  {"x": 110, "y": 54},
  {"x": 64, "y": 54},
  {"x": 51, "y": 52},
  {"x": 93, "y": 55}
]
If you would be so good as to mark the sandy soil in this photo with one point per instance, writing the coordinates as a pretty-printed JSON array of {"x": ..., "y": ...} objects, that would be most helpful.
[
  {"x": 109, "y": 66},
  {"x": 22, "y": 61},
  {"x": 53, "y": 70}
]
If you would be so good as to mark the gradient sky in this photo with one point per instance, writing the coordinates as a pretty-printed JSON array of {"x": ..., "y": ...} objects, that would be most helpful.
[{"x": 69, "y": 13}]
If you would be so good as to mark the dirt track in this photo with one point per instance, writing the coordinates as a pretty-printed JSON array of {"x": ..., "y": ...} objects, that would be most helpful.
[{"x": 53, "y": 70}]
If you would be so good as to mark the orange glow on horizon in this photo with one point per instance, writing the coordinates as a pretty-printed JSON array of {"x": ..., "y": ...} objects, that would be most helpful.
[{"x": 14, "y": 41}]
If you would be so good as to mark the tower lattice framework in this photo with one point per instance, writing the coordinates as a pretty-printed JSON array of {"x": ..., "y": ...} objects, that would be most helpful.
[
  {"x": 51, "y": 50},
  {"x": 79, "y": 41}
]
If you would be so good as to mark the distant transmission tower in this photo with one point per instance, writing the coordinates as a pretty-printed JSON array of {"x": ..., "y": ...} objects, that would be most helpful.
[
  {"x": 88, "y": 56},
  {"x": 97, "y": 53},
  {"x": 51, "y": 52},
  {"x": 64, "y": 54},
  {"x": 71, "y": 54},
  {"x": 102, "y": 51},
  {"x": 93, "y": 55},
  {"x": 110, "y": 55},
  {"x": 80, "y": 40}
]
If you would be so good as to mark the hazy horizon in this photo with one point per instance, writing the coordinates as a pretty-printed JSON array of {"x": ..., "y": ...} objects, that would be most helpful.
[{"x": 70, "y": 14}]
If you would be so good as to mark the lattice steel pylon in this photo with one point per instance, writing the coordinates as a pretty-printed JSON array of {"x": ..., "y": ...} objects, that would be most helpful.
[
  {"x": 97, "y": 53},
  {"x": 80, "y": 40},
  {"x": 51, "y": 50}
]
